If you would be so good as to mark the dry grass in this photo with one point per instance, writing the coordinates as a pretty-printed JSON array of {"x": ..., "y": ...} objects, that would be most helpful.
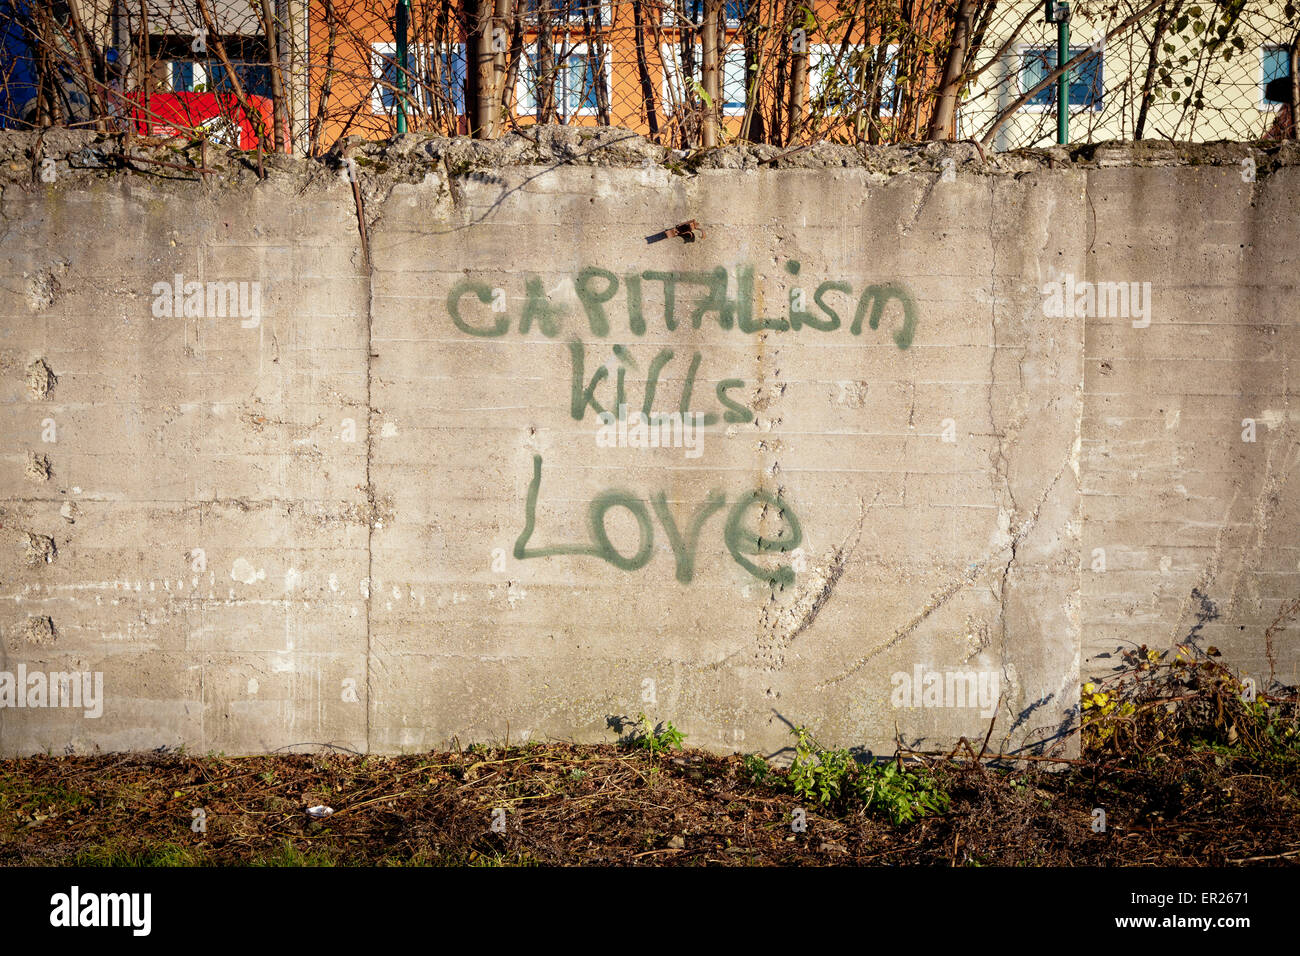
[{"x": 1186, "y": 771}]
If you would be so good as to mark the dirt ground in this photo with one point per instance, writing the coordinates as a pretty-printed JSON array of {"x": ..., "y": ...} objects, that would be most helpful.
[
  {"x": 1183, "y": 764},
  {"x": 565, "y": 805}
]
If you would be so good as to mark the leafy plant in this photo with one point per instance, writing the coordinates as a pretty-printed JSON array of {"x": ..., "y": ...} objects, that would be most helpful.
[
  {"x": 655, "y": 738},
  {"x": 904, "y": 795},
  {"x": 758, "y": 769},
  {"x": 818, "y": 774},
  {"x": 1185, "y": 697},
  {"x": 834, "y": 778},
  {"x": 287, "y": 854}
]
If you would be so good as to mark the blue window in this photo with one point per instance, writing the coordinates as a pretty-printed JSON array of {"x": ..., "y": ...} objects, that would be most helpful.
[
  {"x": 208, "y": 77},
  {"x": 733, "y": 10},
  {"x": 452, "y": 65},
  {"x": 577, "y": 79},
  {"x": 451, "y": 76},
  {"x": 386, "y": 74},
  {"x": 571, "y": 10},
  {"x": 182, "y": 77},
  {"x": 1274, "y": 62},
  {"x": 1085, "y": 78},
  {"x": 838, "y": 81},
  {"x": 253, "y": 77}
]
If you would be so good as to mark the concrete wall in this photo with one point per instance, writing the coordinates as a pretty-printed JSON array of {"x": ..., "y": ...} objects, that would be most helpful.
[{"x": 374, "y": 510}]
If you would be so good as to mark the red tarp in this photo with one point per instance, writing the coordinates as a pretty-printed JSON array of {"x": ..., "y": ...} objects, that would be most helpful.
[{"x": 216, "y": 116}]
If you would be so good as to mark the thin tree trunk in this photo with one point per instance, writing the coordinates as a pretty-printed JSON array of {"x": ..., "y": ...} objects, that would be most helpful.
[
  {"x": 294, "y": 34},
  {"x": 497, "y": 39},
  {"x": 596, "y": 54},
  {"x": 544, "y": 75},
  {"x": 322, "y": 101},
  {"x": 776, "y": 120},
  {"x": 709, "y": 72},
  {"x": 798, "y": 81},
  {"x": 144, "y": 60},
  {"x": 49, "y": 109},
  {"x": 1167, "y": 13},
  {"x": 683, "y": 53},
  {"x": 480, "y": 66},
  {"x": 279, "y": 109},
  {"x": 880, "y": 64},
  {"x": 751, "y": 127},
  {"x": 508, "y": 96},
  {"x": 943, "y": 121},
  {"x": 81, "y": 44},
  {"x": 643, "y": 69},
  {"x": 122, "y": 41}
]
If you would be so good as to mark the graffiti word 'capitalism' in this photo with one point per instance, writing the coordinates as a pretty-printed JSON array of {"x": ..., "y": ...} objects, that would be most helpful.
[{"x": 689, "y": 297}]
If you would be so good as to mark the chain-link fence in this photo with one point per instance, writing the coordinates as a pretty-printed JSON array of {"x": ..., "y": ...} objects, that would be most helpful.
[
  {"x": 1174, "y": 70},
  {"x": 684, "y": 73}
]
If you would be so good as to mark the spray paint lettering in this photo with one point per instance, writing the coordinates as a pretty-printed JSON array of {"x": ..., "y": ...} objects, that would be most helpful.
[
  {"x": 584, "y": 389},
  {"x": 719, "y": 296},
  {"x": 742, "y": 542},
  {"x": 612, "y": 303}
]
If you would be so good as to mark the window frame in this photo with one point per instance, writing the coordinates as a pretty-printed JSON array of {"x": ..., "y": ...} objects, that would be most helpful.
[
  {"x": 818, "y": 50},
  {"x": 385, "y": 52},
  {"x": 606, "y": 8},
  {"x": 380, "y": 55},
  {"x": 1019, "y": 52},
  {"x": 579, "y": 48},
  {"x": 1266, "y": 104},
  {"x": 671, "y": 64}
]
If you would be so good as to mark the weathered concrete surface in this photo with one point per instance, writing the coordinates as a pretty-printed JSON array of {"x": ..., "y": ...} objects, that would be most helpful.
[
  {"x": 1189, "y": 437},
  {"x": 335, "y": 517}
]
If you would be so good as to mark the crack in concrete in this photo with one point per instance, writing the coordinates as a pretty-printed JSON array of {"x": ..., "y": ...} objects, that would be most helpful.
[
  {"x": 773, "y": 644},
  {"x": 941, "y": 598},
  {"x": 937, "y": 601},
  {"x": 1001, "y": 464},
  {"x": 920, "y": 206},
  {"x": 367, "y": 597}
]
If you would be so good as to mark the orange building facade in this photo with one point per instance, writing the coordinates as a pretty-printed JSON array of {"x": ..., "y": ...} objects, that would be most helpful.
[{"x": 631, "y": 63}]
